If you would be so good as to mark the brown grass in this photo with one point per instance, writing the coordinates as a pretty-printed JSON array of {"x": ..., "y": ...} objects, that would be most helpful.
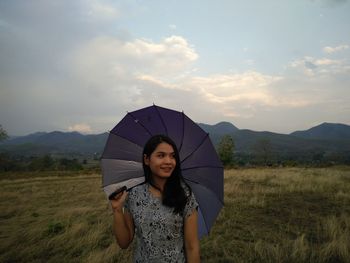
[{"x": 270, "y": 215}]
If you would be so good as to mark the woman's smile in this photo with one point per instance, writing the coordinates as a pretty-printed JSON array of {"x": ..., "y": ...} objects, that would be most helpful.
[
  {"x": 167, "y": 169},
  {"x": 162, "y": 161}
]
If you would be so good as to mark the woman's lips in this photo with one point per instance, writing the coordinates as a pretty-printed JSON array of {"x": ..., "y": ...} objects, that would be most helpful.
[{"x": 167, "y": 169}]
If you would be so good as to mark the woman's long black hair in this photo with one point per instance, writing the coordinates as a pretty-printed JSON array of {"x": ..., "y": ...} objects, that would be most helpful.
[{"x": 173, "y": 194}]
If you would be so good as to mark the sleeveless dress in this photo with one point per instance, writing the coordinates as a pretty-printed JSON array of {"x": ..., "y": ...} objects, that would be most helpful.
[{"x": 159, "y": 232}]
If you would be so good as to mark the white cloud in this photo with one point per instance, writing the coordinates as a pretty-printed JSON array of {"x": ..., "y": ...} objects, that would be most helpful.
[
  {"x": 312, "y": 67},
  {"x": 80, "y": 127},
  {"x": 100, "y": 10},
  {"x": 330, "y": 50},
  {"x": 157, "y": 82},
  {"x": 113, "y": 57},
  {"x": 327, "y": 62},
  {"x": 248, "y": 86},
  {"x": 237, "y": 95}
]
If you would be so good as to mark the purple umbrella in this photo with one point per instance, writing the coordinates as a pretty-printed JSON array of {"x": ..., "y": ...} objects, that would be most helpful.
[{"x": 201, "y": 168}]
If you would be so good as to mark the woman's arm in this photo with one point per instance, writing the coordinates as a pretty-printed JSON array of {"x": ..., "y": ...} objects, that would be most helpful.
[
  {"x": 191, "y": 238},
  {"x": 123, "y": 225}
]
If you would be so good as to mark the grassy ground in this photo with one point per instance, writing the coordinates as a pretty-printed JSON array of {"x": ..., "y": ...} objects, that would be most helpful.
[{"x": 270, "y": 215}]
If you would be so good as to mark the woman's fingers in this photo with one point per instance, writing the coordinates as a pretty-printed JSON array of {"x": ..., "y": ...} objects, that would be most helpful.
[
  {"x": 122, "y": 196},
  {"x": 119, "y": 199}
]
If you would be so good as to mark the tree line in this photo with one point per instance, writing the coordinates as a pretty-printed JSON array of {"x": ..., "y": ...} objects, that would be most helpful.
[
  {"x": 36, "y": 163},
  {"x": 263, "y": 154},
  {"x": 39, "y": 163}
]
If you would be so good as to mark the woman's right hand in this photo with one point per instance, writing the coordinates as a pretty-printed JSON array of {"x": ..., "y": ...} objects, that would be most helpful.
[
  {"x": 118, "y": 202},
  {"x": 123, "y": 224}
]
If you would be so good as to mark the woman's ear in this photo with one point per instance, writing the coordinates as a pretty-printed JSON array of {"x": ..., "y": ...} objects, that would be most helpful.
[{"x": 146, "y": 159}]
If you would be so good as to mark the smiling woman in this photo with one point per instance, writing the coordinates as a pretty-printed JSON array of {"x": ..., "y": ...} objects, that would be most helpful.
[
  {"x": 162, "y": 163},
  {"x": 162, "y": 211}
]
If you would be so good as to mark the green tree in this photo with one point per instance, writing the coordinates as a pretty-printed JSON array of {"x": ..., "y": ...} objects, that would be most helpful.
[
  {"x": 67, "y": 164},
  {"x": 263, "y": 150},
  {"x": 225, "y": 149},
  {"x": 43, "y": 163},
  {"x": 3, "y": 134}
]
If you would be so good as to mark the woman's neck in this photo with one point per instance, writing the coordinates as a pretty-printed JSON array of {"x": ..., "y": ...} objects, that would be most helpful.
[{"x": 159, "y": 183}]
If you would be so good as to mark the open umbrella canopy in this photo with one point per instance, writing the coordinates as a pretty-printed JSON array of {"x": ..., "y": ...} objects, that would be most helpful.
[{"x": 201, "y": 168}]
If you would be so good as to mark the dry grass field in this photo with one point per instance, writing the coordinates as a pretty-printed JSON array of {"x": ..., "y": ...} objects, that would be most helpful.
[{"x": 270, "y": 215}]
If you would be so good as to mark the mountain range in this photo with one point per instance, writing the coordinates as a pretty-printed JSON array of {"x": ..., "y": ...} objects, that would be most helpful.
[{"x": 326, "y": 138}]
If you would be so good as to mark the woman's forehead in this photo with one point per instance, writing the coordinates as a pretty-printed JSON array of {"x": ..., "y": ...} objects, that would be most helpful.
[{"x": 164, "y": 147}]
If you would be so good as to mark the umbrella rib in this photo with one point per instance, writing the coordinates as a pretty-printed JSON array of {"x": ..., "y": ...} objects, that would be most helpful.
[
  {"x": 206, "y": 225},
  {"x": 127, "y": 139},
  {"x": 160, "y": 116},
  {"x": 192, "y": 181},
  {"x": 136, "y": 120},
  {"x": 199, "y": 145},
  {"x": 205, "y": 221},
  {"x": 183, "y": 130}
]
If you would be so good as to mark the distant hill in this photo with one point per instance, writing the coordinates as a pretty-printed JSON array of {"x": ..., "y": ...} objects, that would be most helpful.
[
  {"x": 56, "y": 143},
  {"x": 327, "y": 138},
  {"x": 326, "y": 131},
  {"x": 246, "y": 140},
  {"x": 220, "y": 128}
]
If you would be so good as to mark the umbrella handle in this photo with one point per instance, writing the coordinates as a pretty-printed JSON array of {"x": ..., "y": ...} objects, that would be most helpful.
[{"x": 119, "y": 190}]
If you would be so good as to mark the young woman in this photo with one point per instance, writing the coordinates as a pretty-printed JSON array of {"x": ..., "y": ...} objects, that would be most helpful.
[{"x": 162, "y": 212}]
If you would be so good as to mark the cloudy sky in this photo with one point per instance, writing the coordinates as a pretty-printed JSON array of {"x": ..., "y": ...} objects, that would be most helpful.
[{"x": 268, "y": 65}]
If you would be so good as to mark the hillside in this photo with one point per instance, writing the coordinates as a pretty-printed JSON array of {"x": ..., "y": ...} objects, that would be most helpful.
[
  {"x": 327, "y": 138},
  {"x": 280, "y": 143},
  {"x": 56, "y": 143},
  {"x": 325, "y": 131},
  {"x": 220, "y": 128}
]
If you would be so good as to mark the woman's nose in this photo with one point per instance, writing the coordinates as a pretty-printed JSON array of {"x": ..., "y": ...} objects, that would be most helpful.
[{"x": 168, "y": 159}]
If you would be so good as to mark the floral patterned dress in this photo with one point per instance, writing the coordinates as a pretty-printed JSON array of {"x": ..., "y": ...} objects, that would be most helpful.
[{"x": 159, "y": 232}]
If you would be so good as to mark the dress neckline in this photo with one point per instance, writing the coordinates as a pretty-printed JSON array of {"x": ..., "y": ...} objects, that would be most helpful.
[{"x": 151, "y": 194}]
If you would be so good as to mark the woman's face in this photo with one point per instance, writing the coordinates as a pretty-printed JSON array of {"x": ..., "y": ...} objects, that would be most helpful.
[{"x": 162, "y": 161}]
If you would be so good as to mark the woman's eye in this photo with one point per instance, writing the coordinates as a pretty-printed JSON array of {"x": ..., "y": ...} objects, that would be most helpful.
[{"x": 162, "y": 155}]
